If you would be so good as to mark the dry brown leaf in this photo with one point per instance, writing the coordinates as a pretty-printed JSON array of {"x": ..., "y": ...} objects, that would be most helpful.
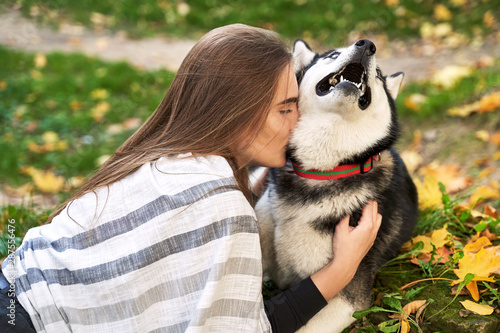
[
  {"x": 409, "y": 309},
  {"x": 490, "y": 211},
  {"x": 441, "y": 257}
]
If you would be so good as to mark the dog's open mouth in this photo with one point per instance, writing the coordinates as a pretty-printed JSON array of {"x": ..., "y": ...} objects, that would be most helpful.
[{"x": 354, "y": 74}]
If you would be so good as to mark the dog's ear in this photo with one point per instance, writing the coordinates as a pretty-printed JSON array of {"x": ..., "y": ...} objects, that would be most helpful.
[
  {"x": 393, "y": 83},
  {"x": 302, "y": 55}
]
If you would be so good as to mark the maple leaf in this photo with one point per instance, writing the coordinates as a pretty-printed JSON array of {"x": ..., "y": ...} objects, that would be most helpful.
[
  {"x": 439, "y": 238},
  {"x": 482, "y": 265},
  {"x": 481, "y": 309},
  {"x": 429, "y": 193}
]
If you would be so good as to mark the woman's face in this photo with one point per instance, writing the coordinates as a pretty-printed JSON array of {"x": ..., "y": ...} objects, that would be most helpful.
[{"x": 269, "y": 146}]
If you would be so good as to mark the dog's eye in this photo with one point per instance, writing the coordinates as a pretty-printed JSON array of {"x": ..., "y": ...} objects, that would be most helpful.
[{"x": 335, "y": 55}]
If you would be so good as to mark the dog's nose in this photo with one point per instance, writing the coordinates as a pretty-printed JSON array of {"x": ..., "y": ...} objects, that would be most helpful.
[{"x": 366, "y": 45}]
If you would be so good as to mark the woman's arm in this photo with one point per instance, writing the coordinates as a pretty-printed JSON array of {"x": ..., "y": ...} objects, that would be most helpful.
[
  {"x": 350, "y": 246},
  {"x": 290, "y": 310}
]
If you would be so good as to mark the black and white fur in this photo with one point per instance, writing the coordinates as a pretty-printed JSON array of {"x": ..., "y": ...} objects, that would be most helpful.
[{"x": 347, "y": 114}]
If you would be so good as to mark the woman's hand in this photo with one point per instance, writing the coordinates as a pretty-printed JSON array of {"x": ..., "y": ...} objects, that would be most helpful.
[{"x": 350, "y": 245}]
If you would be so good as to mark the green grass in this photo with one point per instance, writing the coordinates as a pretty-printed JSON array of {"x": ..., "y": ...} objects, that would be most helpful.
[
  {"x": 325, "y": 21},
  {"x": 439, "y": 99},
  {"x": 59, "y": 98},
  {"x": 15, "y": 221}
]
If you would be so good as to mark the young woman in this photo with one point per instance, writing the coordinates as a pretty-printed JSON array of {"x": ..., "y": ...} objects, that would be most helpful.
[{"x": 163, "y": 237}]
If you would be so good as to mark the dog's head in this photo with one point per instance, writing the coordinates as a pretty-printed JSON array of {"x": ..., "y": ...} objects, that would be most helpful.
[{"x": 346, "y": 106}]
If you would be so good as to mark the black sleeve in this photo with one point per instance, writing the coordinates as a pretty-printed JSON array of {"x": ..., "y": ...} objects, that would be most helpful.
[{"x": 291, "y": 309}]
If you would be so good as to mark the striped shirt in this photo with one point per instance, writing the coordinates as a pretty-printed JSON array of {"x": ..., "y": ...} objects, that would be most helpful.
[{"x": 173, "y": 247}]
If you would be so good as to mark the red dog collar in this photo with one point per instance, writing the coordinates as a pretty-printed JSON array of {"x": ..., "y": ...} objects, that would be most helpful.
[{"x": 342, "y": 171}]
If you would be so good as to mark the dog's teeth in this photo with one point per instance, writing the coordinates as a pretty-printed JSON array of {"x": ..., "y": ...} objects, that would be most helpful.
[{"x": 341, "y": 78}]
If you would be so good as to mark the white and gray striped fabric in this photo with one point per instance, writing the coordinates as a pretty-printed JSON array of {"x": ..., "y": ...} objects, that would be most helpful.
[{"x": 174, "y": 247}]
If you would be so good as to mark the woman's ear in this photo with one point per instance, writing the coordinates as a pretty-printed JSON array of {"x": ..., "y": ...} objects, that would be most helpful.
[{"x": 302, "y": 55}]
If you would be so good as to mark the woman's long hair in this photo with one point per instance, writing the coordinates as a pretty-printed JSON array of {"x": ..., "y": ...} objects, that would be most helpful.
[{"x": 220, "y": 97}]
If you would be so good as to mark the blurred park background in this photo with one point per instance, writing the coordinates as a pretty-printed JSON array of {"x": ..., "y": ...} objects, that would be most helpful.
[{"x": 79, "y": 77}]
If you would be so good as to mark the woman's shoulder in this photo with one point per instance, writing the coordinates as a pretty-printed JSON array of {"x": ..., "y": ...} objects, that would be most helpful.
[{"x": 173, "y": 174}]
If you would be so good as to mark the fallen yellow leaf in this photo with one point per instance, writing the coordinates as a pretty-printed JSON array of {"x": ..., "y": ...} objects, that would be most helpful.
[
  {"x": 99, "y": 94},
  {"x": 451, "y": 175},
  {"x": 415, "y": 101},
  {"x": 100, "y": 110},
  {"x": 472, "y": 288},
  {"x": 405, "y": 326},
  {"x": 3, "y": 85},
  {"x": 485, "y": 173},
  {"x": 412, "y": 160},
  {"x": 464, "y": 110},
  {"x": 477, "y": 245},
  {"x": 450, "y": 75},
  {"x": 483, "y": 135},
  {"x": 438, "y": 238},
  {"x": 489, "y": 103},
  {"x": 485, "y": 192},
  {"x": 488, "y": 19},
  {"x": 482, "y": 265},
  {"x": 495, "y": 138},
  {"x": 481, "y": 309},
  {"x": 47, "y": 181},
  {"x": 429, "y": 193},
  {"x": 40, "y": 60},
  {"x": 442, "y": 13}
]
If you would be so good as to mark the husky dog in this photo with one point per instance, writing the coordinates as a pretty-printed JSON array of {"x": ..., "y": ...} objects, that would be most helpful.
[{"x": 341, "y": 157}]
